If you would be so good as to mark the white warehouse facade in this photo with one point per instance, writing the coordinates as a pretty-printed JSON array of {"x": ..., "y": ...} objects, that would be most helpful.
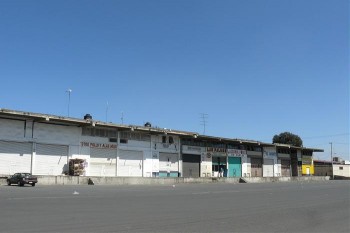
[{"x": 51, "y": 145}]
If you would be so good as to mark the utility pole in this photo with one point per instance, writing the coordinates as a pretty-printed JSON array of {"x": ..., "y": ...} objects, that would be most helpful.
[
  {"x": 204, "y": 117},
  {"x": 332, "y": 159},
  {"x": 69, "y": 91},
  {"x": 107, "y": 106}
]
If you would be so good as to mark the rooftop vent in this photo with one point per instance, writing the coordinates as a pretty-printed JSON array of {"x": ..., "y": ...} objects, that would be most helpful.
[
  {"x": 87, "y": 117},
  {"x": 148, "y": 124}
]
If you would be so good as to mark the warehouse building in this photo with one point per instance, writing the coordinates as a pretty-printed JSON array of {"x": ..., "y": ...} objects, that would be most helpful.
[{"x": 46, "y": 144}]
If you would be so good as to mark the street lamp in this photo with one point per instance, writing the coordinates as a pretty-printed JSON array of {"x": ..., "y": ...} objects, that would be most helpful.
[
  {"x": 69, "y": 91},
  {"x": 332, "y": 159}
]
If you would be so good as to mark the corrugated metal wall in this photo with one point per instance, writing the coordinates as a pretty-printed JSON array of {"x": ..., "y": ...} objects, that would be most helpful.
[
  {"x": 50, "y": 159},
  {"x": 191, "y": 165},
  {"x": 102, "y": 162},
  {"x": 130, "y": 163},
  {"x": 15, "y": 157}
]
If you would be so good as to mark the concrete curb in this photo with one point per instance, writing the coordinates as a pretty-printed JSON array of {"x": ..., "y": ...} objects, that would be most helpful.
[{"x": 83, "y": 180}]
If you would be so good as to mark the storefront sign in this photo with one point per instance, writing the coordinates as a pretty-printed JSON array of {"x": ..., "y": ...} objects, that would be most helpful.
[
  {"x": 216, "y": 150},
  {"x": 98, "y": 145},
  {"x": 236, "y": 152}
]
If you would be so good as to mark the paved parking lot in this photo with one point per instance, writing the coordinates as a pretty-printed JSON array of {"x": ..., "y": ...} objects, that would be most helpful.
[{"x": 272, "y": 207}]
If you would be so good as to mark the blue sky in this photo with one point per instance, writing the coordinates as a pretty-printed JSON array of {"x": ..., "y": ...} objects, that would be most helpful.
[{"x": 256, "y": 67}]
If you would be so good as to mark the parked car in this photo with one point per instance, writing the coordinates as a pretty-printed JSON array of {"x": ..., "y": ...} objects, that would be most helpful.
[{"x": 22, "y": 178}]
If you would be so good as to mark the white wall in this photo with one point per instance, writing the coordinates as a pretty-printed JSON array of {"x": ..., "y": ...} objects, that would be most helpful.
[
  {"x": 271, "y": 153},
  {"x": 246, "y": 167},
  {"x": 344, "y": 172}
]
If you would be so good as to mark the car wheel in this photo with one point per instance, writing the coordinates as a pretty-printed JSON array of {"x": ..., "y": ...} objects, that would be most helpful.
[
  {"x": 8, "y": 182},
  {"x": 33, "y": 184}
]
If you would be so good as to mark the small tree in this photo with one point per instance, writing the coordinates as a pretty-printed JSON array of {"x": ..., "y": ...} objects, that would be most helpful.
[{"x": 288, "y": 138}]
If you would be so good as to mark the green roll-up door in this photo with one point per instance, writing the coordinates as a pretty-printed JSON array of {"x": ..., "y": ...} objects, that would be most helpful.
[{"x": 234, "y": 167}]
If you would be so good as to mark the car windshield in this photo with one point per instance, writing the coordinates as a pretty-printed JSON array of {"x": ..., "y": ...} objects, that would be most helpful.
[{"x": 25, "y": 174}]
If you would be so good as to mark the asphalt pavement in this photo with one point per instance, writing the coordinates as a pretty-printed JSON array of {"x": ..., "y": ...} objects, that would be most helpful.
[{"x": 270, "y": 207}]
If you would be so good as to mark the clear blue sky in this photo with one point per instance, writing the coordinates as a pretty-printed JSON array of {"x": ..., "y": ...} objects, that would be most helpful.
[{"x": 256, "y": 67}]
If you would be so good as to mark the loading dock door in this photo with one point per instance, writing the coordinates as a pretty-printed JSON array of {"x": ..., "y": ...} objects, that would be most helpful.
[
  {"x": 130, "y": 163},
  {"x": 256, "y": 169},
  {"x": 50, "y": 159},
  {"x": 268, "y": 168},
  {"x": 285, "y": 167},
  {"x": 15, "y": 157},
  {"x": 191, "y": 165},
  {"x": 102, "y": 162},
  {"x": 234, "y": 167}
]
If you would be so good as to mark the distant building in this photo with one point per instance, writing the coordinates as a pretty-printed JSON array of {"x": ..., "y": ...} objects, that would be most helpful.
[{"x": 340, "y": 167}]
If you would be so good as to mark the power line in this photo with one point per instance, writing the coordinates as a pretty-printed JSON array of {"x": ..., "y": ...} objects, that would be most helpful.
[{"x": 326, "y": 136}]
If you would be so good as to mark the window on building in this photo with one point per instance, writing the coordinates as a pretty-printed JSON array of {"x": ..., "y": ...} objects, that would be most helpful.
[
  {"x": 124, "y": 141},
  {"x": 340, "y": 168},
  {"x": 234, "y": 146},
  {"x": 99, "y": 132},
  {"x": 171, "y": 140},
  {"x": 163, "y": 139},
  {"x": 283, "y": 151},
  {"x": 135, "y": 136},
  {"x": 112, "y": 139},
  {"x": 307, "y": 152}
]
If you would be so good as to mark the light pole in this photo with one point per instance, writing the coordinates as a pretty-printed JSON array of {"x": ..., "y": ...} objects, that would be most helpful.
[
  {"x": 69, "y": 91},
  {"x": 332, "y": 159},
  {"x": 107, "y": 106}
]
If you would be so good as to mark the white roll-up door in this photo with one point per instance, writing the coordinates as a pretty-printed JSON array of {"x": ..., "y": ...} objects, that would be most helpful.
[
  {"x": 103, "y": 162},
  {"x": 15, "y": 157},
  {"x": 50, "y": 159},
  {"x": 268, "y": 168},
  {"x": 130, "y": 163},
  {"x": 168, "y": 162}
]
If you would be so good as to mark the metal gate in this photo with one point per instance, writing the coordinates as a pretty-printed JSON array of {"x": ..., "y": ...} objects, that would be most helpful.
[
  {"x": 191, "y": 165},
  {"x": 268, "y": 168},
  {"x": 15, "y": 157},
  {"x": 130, "y": 163},
  {"x": 103, "y": 162},
  {"x": 285, "y": 167},
  {"x": 234, "y": 167},
  {"x": 256, "y": 167},
  {"x": 50, "y": 159}
]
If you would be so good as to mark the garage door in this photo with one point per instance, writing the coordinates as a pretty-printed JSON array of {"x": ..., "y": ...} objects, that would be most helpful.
[
  {"x": 103, "y": 162},
  {"x": 256, "y": 167},
  {"x": 268, "y": 168},
  {"x": 285, "y": 167},
  {"x": 15, "y": 157},
  {"x": 234, "y": 167},
  {"x": 50, "y": 159},
  {"x": 168, "y": 164},
  {"x": 130, "y": 163},
  {"x": 191, "y": 165}
]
